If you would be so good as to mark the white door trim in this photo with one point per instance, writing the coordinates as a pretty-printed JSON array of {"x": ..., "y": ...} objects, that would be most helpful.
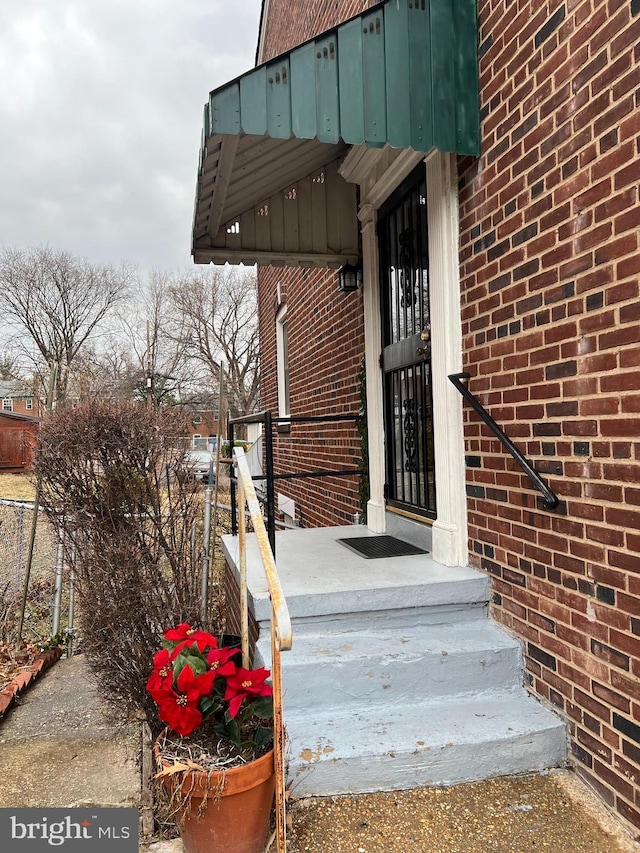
[{"x": 449, "y": 533}]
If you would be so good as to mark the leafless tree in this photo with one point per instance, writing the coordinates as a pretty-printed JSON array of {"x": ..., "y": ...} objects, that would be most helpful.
[
  {"x": 104, "y": 371},
  {"x": 140, "y": 355},
  {"x": 58, "y": 300},
  {"x": 134, "y": 348},
  {"x": 158, "y": 356},
  {"x": 10, "y": 366},
  {"x": 215, "y": 320}
]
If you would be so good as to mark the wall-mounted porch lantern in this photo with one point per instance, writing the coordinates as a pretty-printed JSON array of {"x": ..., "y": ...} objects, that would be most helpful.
[{"x": 350, "y": 278}]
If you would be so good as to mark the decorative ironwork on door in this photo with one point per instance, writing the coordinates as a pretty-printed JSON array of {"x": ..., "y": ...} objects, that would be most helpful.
[{"x": 406, "y": 355}]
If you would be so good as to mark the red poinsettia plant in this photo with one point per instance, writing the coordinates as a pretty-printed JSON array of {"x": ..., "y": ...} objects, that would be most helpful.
[{"x": 200, "y": 689}]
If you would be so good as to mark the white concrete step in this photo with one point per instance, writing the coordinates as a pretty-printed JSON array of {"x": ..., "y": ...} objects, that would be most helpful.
[
  {"x": 325, "y": 582},
  {"x": 398, "y": 614},
  {"x": 389, "y": 664},
  {"x": 396, "y": 678},
  {"x": 395, "y": 746}
]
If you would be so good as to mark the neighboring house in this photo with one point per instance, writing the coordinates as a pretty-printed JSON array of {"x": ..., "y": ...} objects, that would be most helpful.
[
  {"x": 18, "y": 438},
  {"x": 203, "y": 428},
  {"x": 491, "y": 200},
  {"x": 18, "y": 398}
]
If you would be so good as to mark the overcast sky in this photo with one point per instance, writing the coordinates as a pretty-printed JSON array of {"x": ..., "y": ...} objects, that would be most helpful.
[{"x": 100, "y": 118}]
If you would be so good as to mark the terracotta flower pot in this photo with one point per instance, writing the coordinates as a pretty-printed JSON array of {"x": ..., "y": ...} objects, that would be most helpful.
[{"x": 238, "y": 806}]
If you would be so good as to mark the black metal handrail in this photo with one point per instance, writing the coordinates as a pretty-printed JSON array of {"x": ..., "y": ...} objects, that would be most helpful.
[
  {"x": 551, "y": 500},
  {"x": 268, "y": 420}
]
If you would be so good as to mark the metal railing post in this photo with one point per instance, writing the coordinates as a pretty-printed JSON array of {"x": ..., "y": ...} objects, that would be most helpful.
[
  {"x": 19, "y": 509},
  {"x": 72, "y": 598},
  {"x": 206, "y": 543},
  {"x": 278, "y": 741},
  {"x": 232, "y": 482},
  {"x": 271, "y": 509},
  {"x": 244, "y": 602},
  {"x": 57, "y": 594}
]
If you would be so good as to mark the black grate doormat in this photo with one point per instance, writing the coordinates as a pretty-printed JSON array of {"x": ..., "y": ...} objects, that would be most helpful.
[{"x": 374, "y": 547}]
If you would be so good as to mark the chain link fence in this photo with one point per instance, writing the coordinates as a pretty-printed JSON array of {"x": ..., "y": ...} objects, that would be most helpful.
[
  {"x": 50, "y": 595},
  {"x": 16, "y": 519}
]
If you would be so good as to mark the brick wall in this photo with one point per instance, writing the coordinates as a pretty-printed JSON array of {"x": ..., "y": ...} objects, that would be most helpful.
[
  {"x": 326, "y": 348},
  {"x": 19, "y": 406},
  {"x": 233, "y": 613},
  {"x": 290, "y": 26},
  {"x": 551, "y": 322}
]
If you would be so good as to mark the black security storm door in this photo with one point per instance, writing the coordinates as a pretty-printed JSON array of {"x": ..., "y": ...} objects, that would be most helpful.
[{"x": 406, "y": 354}]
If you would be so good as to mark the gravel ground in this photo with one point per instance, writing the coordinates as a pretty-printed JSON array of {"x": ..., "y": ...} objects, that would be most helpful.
[{"x": 551, "y": 812}]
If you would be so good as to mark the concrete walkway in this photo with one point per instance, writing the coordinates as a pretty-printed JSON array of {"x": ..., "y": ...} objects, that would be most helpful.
[{"x": 58, "y": 748}]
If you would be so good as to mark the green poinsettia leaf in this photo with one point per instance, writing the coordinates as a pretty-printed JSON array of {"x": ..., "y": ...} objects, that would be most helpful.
[
  {"x": 209, "y": 705},
  {"x": 262, "y": 707},
  {"x": 192, "y": 658},
  {"x": 228, "y": 728},
  {"x": 262, "y": 736}
]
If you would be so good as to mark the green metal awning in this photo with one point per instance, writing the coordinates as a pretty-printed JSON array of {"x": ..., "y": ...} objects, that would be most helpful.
[{"x": 404, "y": 74}]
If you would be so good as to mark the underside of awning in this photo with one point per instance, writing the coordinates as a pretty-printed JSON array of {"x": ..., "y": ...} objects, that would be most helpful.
[{"x": 403, "y": 74}]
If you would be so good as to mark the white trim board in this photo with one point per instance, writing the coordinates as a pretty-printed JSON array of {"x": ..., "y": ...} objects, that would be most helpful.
[{"x": 378, "y": 176}]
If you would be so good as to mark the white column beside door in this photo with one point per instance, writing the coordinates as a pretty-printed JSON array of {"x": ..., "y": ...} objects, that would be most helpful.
[{"x": 450, "y": 545}]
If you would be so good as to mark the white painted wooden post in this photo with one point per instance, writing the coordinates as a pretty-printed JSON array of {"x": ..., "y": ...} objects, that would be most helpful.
[
  {"x": 373, "y": 348},
  {"x": 449, "y": 544}
]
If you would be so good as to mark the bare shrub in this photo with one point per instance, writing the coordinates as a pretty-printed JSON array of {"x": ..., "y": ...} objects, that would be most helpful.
[{"x": 113, "y": 476}]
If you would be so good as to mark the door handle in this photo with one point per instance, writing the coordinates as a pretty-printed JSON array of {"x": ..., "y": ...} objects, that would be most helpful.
[{"x": 425, "y": 335}]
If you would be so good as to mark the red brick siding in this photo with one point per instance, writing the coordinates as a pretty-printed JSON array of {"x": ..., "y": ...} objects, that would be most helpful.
[
  {"x": 326, "y": 348},
  {"x": 233, "y": 612},
  {"x": 551, "y": 324},
  {"x": 207, "y": 426},
  {"x": 289, "y": 26},
  {"x": 20, "y": 406}
]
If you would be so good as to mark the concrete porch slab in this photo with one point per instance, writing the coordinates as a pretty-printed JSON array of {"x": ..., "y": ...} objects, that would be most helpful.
[{"x": 321, "y": 577}]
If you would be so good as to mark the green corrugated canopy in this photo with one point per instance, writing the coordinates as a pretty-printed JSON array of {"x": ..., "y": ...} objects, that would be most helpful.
[{"x": 404, "y": 74}]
